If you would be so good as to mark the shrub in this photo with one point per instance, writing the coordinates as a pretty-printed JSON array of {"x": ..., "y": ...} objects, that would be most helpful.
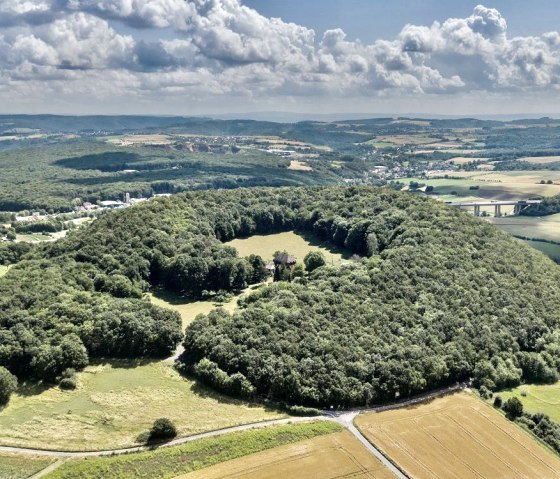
[
  {"x": 163, "y": 429},
  {"x": 68, "y": 383},
  {"x": 314, "y": 260},
  {"x": 498, "y": 401},
  {"x": 513, "y": 408},
  {"x": 8, "y": 384},
  {"x": 484, "y": 392},
  {"x": 303, "y": 411}
]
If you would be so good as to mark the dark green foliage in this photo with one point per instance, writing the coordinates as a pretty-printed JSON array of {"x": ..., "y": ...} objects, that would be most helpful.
[
  {"x": 236, "y": 384},
  {"x": 544, "y": 428},
  {"x": 303, "y": 411},
  {"x": 436, "y": 297},
  {"x": 39, "y": 227},
  {"x": 498, "y": 402},
  {"x": 68, "y": 380},
  {"x": 8, "y": 385},
  {"x": 314, "y": 260},
  {"x": 513, "y": 408},
  {"x": 163, "y": 429},
  {"x": 445, "y": 298},
  {"x": 548, "y": 206}
]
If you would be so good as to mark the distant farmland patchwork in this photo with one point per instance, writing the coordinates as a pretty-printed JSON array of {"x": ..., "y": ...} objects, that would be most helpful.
[{"x": 458, "y": 437}]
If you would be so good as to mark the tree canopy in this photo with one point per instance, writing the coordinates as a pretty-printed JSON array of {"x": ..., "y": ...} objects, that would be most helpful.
[{"x": 436, "y": 297}]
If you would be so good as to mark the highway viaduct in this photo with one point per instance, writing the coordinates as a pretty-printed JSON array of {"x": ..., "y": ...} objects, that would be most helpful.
[{"x": 518, "y": 205}]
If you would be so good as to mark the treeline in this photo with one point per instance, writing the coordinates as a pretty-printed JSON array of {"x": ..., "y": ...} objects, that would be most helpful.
[
  {"x": 437, "y": 297},
  {"x": 548, "y": 206}
]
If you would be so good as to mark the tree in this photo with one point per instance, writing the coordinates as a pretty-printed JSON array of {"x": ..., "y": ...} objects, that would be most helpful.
[
  {"x": 8, "y": 384},
  {"x": 513, "y": 408},
  {"x": 314, "y": 260},
  {"x": 498, "y": 402},
  {"x": 162, "y": 429}
]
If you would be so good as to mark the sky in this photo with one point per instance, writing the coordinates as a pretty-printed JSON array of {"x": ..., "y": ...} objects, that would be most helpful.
[{"x": 193, "y": 57}]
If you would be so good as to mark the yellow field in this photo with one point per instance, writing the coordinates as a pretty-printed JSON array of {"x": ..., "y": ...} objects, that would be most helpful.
[
  {"x": 114, "y": 404},
  {"x": 266, "y": 245},
  {"x": 459, "y": 437},
  {"x": 299, "y": 166},
  {"x": 337, "y": 455},
  {"x": 540, "y": 159}
]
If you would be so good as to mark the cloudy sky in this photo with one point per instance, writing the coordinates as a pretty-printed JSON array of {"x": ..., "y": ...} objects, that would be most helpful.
[{"x": 316, "y": 56}]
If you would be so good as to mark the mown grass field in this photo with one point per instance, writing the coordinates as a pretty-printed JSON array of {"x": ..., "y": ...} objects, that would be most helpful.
[
  {"x": 458, "y": 436},
  {"x": 114, "y": 404},
  {"x": 190, "y": 309},
  {"x": 545, "y": 227},
  {"x": 296, "y": 245},
  {"x": 13, "y": 466},
  {"x": 338, "y": 455},
  {"x": 549, "y": 249},
  {"x": 174, "y": 461},
  {"x": 543, "y": 398}
]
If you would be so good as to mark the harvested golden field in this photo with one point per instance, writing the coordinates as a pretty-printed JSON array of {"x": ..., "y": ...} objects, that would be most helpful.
[
  {"x": 299, "y": 166},
  {"x": 460, "y": 437},
  {"x": 338, "y": 455}
]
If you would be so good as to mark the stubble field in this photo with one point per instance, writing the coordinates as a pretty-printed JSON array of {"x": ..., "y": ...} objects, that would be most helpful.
[
  {"x": 338, "y": 455},
  {"x": 460, "y": 437}
]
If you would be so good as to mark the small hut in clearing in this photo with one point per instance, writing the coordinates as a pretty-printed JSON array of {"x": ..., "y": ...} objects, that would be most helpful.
[{"x": 284, "y": 260}]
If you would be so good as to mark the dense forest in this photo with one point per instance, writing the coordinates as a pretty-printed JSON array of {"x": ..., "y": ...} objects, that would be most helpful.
[{"x": 433, "y": 296}]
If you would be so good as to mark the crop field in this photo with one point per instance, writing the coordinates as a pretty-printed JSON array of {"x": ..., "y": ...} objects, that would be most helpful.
[
  {"x": 13, "y": 466},
  {"x": 173, "y": 461},
  {"x": 296, "y": 245},
  {"x": 458, "y": 436},
  {"x": 114, "y": 404},
  {"x": 546, "y": 227},
  {"x": 299, "y": 166},
  {"x": 333, "y": 456},
  {"x": 543, "y": 398},
  {"x": 495, "y": 185}
]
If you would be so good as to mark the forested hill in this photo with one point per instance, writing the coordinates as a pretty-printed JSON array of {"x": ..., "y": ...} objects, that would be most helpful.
[{"x": 437, "y": 296}]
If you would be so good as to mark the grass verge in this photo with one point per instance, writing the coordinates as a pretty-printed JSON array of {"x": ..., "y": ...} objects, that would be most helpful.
[{"x": 170, "y": 462}]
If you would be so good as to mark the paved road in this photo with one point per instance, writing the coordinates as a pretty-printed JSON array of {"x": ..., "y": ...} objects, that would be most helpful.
[
  {"x": 345, "y": 418},
  {"x": 174, "y": 442}
]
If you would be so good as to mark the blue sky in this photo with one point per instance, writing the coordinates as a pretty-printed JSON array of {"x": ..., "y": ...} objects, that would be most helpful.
[
  {"x": 310, "y": 56},
  {"x": 372, "y": 19}
]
